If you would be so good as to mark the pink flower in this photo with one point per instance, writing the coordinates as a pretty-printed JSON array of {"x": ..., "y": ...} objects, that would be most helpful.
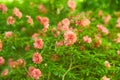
[
  {"x": 54, "y": 57},
  {"x": 118, "y": 23},
  {"x": 2, "y": 61},
  {"x": 1, "y": 45},
  {"x": 5, "y": 72},
  {"x": 17, "y": 13},
  {"x": 100, "y": 13},
  {"x": 118, "y": 38},
  {"x": 23, "y": 29},
  {"x": 118, "y": 52},
  {"x": 84, "y": 22},
  {"x": 34, "y": 73},
  {"x": 37, "y": 58},
  {"x": 21, "y": 62},
  {"x": 107, "y": 19},
  {"x": 87, "y": 39},
  {"x": 10, "y": 20},
  {"x": 13, "y": 64},
  {"x": 59, "y": 43},
  {"x": 63, "y": 25},
  {"x": 38, "y": 44},
  {"x": 55, "y": 32},
  {"x": 8, "y": 34},
  {"x": 107, "y": 64},
  {"x": 71, "y": 4},
  {"x": 42, "y": 8},
  {"x": 44, "y": 21},
  {"x": 27, "y": 47},
  {"x": 105, "y": 78},
  {"x": 69, "y": 38},
  {"x": 35, "y": 36},
  {"x": 102, "y": 29},
  {"x": 29, "y": 20},
  {"x": 3, "y": 8},
  {"x": 66, "y": 22}
]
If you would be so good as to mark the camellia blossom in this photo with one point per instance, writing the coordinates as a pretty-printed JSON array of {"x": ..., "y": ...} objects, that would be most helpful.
[
  {"x": 37, "y": 58},
  {"x": 29, "y": 20},
  {"x": 105, "y": 78},
  {"x": 69, "y": 38},
  {"x": 17, "y": 13},
  {"x": 10, "y": 20},
  {"x": 34, "y": 72},
  {"x": 38, "y": 44},
  {"x": 107, "y": 64},
  {"x": 102, "y": 29},
  {"x": 87, "y": 39},
  {"x": 71, "y": 4},
  {"x": 4, "y": 73},
  {"x": 8, "y": 34},
  {"x": 1, "y": 45},
  {"x": 2, "y": 60},
  {"x": 3, "y": 8}
]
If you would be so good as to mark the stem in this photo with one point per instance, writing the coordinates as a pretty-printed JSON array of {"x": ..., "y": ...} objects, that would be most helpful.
[
  {"x": 48, "y": 76},
  {"x": 28, "y": 73},
  {"x": 63, "y": 77}
]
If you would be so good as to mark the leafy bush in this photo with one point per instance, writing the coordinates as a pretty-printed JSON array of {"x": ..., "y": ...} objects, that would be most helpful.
[{"x": 59, "y": 40}]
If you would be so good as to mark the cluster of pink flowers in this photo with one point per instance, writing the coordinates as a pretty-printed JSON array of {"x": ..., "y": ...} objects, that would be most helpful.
[
  {"x": 103, "y": 29},
  {"x": 37, "y": 58},
  {"x": 44, "y": 21},
  {"x": 63, "y": 25},
  {"x": 69, "y": 38},
  {"x": 16, "y": 64},
  {"x": 34, "y": 72}
]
